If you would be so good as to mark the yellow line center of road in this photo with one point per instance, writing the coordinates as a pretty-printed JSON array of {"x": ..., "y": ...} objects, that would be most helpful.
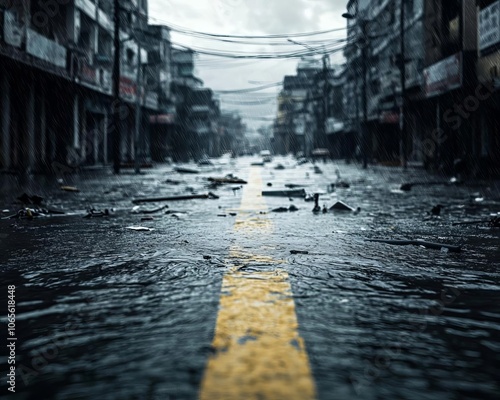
[{"x": 258, "y": 351}]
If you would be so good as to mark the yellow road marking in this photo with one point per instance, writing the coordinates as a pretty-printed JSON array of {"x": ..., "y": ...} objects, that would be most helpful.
[{"x": 259, "y": 354}]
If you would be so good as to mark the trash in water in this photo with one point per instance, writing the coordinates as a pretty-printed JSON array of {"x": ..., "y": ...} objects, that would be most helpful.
[
  {"x": 341, "y": 206},
  {"x": 140, "y": 228},
  {"x": 317, "y": 170},
  {"x": 418, "y": 242},
  {"x": 70, "y": 189},
  {"x": 182, "y": 170},
  {"x": 139, "y": 210},
  {"x": 93, "y": 213},
  {"x": 227, "y": 179},
  {"x": 285, "y": 193},
  {"x": 147, "y": 219},
  {"x": 209, "y": 195},
  {"x": 299, "y": 252},
  {"x": 279, "y": 167}
]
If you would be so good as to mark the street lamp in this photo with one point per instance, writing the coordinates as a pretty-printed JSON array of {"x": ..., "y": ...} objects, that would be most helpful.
[{"x": 364, "y": 129}]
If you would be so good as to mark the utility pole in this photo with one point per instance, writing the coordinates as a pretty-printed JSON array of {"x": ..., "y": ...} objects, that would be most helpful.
[
  {"x": 324, "y": 114},
  {"x": 364, "y": 128},
  {"x": 115, "y": 109},
  {"x": 138, "y": 112},
  {"x": 402, "y": 67}
]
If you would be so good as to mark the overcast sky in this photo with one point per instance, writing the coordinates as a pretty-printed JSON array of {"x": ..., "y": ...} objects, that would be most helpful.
[{"x": 256, "y": 17}]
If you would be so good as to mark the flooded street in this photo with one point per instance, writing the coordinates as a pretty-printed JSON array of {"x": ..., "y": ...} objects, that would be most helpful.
[{"x": 108, "y": 312}]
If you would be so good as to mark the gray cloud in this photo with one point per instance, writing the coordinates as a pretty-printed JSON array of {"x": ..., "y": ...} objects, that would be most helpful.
[{"x": 240, "y": 17}]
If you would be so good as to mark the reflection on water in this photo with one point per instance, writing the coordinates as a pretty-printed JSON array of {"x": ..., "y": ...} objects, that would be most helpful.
[{"x": 108, "y": 313}]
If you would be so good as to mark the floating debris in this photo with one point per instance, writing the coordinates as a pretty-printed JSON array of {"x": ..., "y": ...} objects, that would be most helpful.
[
  {"x": 317, "y": 170},
  {"x": 227, "y": 179},
  {"x": 430, "y": 245},
  {"x": 93, "y": 213},
  {"x": 140, "y": 228},
  {"x": 436, "y": 210},
  {"x": 139, "y": 210},
  {"x": 341, "y": 206},
  {"x": 209, "y": 195},
  {"x": 183, "y": 170},
  {"x": 279, "y": 167},
  {"x": 299, "y": 252},
  {"x": 316, "y": 208},
  {"x": 293, "y": 208},
  {"x": 173, "y": 182},
  {"x": 147, "y": 219},
  {"x": 285, "y": 193},
  {"x": 70, "y": 189}
]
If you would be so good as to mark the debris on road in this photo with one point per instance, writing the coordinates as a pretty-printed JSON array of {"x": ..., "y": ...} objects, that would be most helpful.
[
  {"x": 183, "y": 170},
  {"x": 227, "y": 179},
  {"x": 436, "y": 210},
  {"x": 316, "y": 208},
  {"x": 173, "y": 182},
  {"x": 209, "y": 195},
  {"x": 70, "y": 189},
  {"x": 139, "y": 210},
  {"x": 493, "y": 222},
  {"x": 93, "y": 213},
  {"x": 285, "y": 193},
  {"x": 140, "y": 228},
  {"x": 341, "y": 206},
  {"x": 430, "y": 245},
  {"x": 299, "y": 252}
]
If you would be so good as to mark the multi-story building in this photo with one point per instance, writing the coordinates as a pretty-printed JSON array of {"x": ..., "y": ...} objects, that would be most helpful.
[
  {"x": 486, "y": 143},
  {"x": 293, "y": 131},
  {"x": 56, "y": 83},
  {"x": 376, "y": 28},
  {"x": 452, "y": 64}
]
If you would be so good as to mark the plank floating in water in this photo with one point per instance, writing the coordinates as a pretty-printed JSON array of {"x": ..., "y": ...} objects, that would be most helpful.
[
  {"x": 183, "y": 170},
  {"x": 209, "y": 195},
  {"x": 285, "y": 193},
  {"x": 430, "y": 245}
]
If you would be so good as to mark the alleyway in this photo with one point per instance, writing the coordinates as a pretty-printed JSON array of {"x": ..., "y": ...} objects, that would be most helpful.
[{"x": 226, "y": 299}]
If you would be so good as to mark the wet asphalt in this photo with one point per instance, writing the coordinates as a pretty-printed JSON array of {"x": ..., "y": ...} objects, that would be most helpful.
[{"x": 107, "y": 312}]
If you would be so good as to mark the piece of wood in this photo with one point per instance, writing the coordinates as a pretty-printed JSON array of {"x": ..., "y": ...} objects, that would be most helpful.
[
  {"x": 431, "y": 245},
  {"x": 176, "y": 198},
  {"x": 183, "y": 170},
  {"x": 285, "y": 193},
  {"x": 227, "y": 180}
]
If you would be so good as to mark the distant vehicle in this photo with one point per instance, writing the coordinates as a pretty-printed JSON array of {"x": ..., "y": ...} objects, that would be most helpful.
[{"x": 266, "y": 156}]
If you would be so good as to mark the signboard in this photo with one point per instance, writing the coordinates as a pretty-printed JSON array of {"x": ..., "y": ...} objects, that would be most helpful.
[
  {"x": 45, "y": 49},
  {"x": 489, "y": 26},
  {"x": 443, "y": 76},
  {"x": 12, "y": 30},
  {"x": 168, "y": 118}
]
